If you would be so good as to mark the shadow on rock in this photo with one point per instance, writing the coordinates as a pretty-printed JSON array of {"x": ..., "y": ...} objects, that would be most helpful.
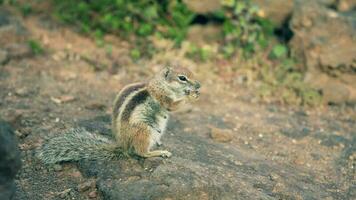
[{"x": 10, "y": 161}]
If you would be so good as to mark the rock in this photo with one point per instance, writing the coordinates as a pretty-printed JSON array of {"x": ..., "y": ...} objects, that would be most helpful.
[
  {"x": 63, "y": 99},
  {"x": 203, "y": 34},
  {"x": 23, "y": 132},
  {"x": 203, "y": 7},
  {"x": 202, "y": 169},
  {"x": 22, "y": 92},
  {"x": 93, "y": 194},
  {"x": 84, "y": 186},
  {"x": 279, "y": 11},
  {"x": 275, "y": 10},
  {"x": 3, "y": 57},
  {"x": 346, "y": 5},
  {"x": 18, "y": 50},
  {"x": 329, "y": 54},
  {"x": 10, "y": 161},
  {"x": 95, "y": 106},
  {"x": 221, "y": 135},
  {"x": 64, "y": 194},
  {"x": 57, "y": 167},
  {"x": 336, "y": 92},
  {"x": 14, "y": 117},
  {"x": 11, "y": 30}
]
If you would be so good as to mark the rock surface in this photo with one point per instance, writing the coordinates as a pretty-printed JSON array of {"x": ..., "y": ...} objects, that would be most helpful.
[
  {"x": 346, "y": 5},
  {"x": 202, "y": 169},
  {"x": 9, "y": 160},
  {"x": 329, "y": 53},
  {"x": 13, "y": 37},
  {"x": 203, "y": 7},
  {"x": 275, "y": 10},
  {"x": 11, "y": 30}
]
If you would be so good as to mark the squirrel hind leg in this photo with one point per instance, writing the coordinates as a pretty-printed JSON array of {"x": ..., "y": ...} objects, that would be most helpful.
[
  {"x": 157, "y": 153},
  {"x": 142, "y": 144}
]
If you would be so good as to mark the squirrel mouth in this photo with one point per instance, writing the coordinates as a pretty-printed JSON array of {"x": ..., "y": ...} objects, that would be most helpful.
[{"x": 195, "y": 93}]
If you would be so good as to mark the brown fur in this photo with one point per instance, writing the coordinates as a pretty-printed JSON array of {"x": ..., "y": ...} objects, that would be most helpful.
[
  {"x": 167, "y": 91},
  {"x": 120, "y": 99}
]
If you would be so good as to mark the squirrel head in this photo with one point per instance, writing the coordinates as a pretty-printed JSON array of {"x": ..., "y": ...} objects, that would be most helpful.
[{"x": 177, "y": 83}]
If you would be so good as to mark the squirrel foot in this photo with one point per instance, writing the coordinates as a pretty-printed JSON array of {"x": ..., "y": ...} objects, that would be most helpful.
[{"x": 158, "y": 153}]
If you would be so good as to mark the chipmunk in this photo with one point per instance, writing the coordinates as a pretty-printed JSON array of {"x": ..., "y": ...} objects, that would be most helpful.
[{"x": 139, "y": 119}]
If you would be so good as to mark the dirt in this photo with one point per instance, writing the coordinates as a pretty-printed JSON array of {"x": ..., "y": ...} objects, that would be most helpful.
[{"x": 275, "y": 151}]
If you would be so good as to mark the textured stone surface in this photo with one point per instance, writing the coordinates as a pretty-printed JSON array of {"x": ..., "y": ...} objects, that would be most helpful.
[
  {"x": 203, "y": 7},
  {"x": 9, "y": 160},
  {"x": 11, "y": 30},
  {"x": 328, "y": 53},
  {"x": 202, "y": 169}
]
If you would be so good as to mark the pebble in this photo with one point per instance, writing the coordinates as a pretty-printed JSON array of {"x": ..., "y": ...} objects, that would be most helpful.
[
  {"x": 3, "y": 56},
  {"x": 95, "y": 106},
  {"x": 84, "y": 186},
  {"x": 57, "y": 167},
  {"x": 22, "y": 92},
  {"x": 63, "y": 99},
  {"x": 93, "y": 194},
  {"x": 64, "y": 193},
  {"x": 221, "y": 135}
]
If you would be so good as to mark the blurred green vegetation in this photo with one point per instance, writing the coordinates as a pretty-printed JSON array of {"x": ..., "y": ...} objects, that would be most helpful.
[
  {"x": 164, "y": 19},
  {"x": 283, "y": 81},
  {"x": 130, "y": 19},
  {"x": 243, "y": 32},
  {"x": 35, "y": 47}
]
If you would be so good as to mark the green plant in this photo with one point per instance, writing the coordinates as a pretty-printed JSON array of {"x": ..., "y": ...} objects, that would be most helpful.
[
  {"x": 35, "y": 47},
  {"x": 241, "y": 27},
  {"x": 283, "y": 81},
  {"x": 135, "y": 54},
  {"x": 26, "y": 9},
  {"x": 278, "y": 51},
  {"x": 129, "y": 19},
  {"x": 200, "y": 53}
]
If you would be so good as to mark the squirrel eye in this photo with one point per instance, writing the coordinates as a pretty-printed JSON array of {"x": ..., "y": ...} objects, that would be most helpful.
[{"x": 182, "y": 78}]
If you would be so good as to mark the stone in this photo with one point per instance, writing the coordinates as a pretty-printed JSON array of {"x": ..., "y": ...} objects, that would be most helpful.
[
  {"x": 22, "y": 92},
  {"x": 10, "y": 161},
  {"x": 201, "y": 35},
  {"x": 93, "y": 194},
  {"x": 4, "y": 57},
  {"x": 328, "y": 54},
  {"x": 203, "y": 7},
  {"x": 57, "y": 167},
  {"x": 221, "y": 135},
  {"x": 18, "y": 50},
  {"x": 201, "y": 169},
  {"x": 84, "y": 186},
  {"x": 11, "y": 30},
  {"x": 346, "y": 5},
  {"x": 275, "y": 10}
]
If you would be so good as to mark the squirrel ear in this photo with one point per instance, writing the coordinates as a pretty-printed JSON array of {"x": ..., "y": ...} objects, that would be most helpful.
[{"x": 166, "y": 71}]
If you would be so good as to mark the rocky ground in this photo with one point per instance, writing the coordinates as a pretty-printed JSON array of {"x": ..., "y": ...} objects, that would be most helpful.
[{"x": 225, "y": 146}]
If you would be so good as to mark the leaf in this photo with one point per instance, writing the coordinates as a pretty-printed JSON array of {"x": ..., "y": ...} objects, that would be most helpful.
[
  {"x": 135, "y": 54},
  {"x": 151, "y": 12},
  {"x": 35, "y": 47},
  {"x": 279, "y": 51}
]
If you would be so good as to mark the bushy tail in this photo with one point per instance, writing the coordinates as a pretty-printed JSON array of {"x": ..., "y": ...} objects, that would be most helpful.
[{"x": 78, "y": 144}]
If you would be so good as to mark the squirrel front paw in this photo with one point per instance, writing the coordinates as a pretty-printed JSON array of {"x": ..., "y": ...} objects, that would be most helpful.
[{"x": 166, "y": 154}]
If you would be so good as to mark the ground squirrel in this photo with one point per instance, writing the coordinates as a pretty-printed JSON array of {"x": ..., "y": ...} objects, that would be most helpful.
[{"x": 139, "y": 119}]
